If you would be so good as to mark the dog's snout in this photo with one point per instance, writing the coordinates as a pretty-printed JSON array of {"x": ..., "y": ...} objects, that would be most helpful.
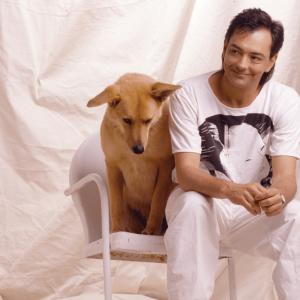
[{"x": 138, "y": 149}]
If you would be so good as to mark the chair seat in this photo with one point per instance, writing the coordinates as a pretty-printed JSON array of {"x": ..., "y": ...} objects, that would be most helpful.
[
  {"x": 136, "y": 247},
  {"x": 131, "y": 246}
]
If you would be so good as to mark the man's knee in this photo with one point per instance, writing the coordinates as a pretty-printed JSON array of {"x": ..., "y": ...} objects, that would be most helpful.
[
  {"x": 188, "y": 203},
  {"x": 292, "y": 211}
]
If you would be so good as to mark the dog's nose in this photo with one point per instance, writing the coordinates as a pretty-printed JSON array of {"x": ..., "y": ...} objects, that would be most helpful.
[{"x": 138, "y": 149}]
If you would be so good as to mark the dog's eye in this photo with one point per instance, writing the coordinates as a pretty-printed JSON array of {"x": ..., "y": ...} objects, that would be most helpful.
[
  {"x": 127, "y": 121},
  {"x": 147, "y": 121}
]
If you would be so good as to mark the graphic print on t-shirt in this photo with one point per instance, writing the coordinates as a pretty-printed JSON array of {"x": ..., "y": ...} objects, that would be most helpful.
[{"x": 235, "y": 146}]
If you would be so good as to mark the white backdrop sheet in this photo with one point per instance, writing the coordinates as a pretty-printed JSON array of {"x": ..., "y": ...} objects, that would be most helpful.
[{"x": 55, "y": 56}]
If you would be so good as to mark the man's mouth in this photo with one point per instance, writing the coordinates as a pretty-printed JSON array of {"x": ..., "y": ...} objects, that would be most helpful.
[{"x": 239, "y": 73}]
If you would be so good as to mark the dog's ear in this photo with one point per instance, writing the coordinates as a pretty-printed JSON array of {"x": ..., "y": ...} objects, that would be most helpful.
[
  {"x": 110, "y": 95},
  {"x": 161, "y": 91}
]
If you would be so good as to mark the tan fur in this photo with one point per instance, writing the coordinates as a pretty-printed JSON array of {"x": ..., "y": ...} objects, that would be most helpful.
[{"x": 139, "y": 184}]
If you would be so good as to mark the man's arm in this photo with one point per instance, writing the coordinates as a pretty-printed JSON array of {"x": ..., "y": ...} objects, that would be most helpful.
[
  {"x": 283, "y": 186},
  {"x": 191, "y": 178}
]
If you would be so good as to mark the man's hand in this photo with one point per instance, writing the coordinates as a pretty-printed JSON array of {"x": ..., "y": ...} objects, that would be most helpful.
[
  {"x": 246, "y": 194},
  {"x": 271, "y": 202}
]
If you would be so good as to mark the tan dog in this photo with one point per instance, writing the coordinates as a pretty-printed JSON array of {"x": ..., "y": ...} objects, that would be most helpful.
[{"x": 136, "y": 143}]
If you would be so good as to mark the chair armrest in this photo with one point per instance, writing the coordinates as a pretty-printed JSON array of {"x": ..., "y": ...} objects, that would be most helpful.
[
  {"x": 93, "y": 177},
  {"x": 101, "y": 185}
]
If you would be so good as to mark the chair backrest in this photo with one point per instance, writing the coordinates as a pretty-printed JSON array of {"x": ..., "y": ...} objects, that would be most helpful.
[{"x": 89, "y": 158}]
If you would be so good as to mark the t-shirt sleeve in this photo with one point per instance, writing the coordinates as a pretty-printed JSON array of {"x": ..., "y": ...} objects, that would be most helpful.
[
  {"x": 183, "y": 121},
  {"x": 285, "y": 139}
]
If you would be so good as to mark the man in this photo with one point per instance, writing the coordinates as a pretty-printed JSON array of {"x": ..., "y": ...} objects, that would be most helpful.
[{"x": 235, "y": 137}]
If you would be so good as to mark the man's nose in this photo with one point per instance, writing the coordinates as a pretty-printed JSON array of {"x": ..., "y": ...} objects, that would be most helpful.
[{"x": 243, "y": 62}]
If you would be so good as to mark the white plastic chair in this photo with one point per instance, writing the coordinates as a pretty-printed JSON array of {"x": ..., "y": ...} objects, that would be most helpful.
[{"x": 89, "y": 192}]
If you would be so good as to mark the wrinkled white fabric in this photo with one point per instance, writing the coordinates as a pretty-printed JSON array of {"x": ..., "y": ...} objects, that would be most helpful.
[{"x": 55, "y": 56}]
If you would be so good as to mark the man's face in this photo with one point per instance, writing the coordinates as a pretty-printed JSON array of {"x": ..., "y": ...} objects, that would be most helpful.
[{"x": 246, "y": 56}]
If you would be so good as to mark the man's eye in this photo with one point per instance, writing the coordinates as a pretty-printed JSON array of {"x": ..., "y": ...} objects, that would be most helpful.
[
  {"x": 147, "y": 121},
  {"x": 255, "y": 58},
  {"x": 127, "y": 121},
  {"x": 233, "y": 51}
]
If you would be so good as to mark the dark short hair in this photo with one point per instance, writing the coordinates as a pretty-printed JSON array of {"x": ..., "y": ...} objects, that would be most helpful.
[{"x": 252, "y": 19}]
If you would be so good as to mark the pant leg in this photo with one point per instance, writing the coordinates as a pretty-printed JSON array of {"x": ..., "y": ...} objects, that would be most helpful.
[
  {"x": 276, "y": 237},
  {"x": 286, "y": 244},
  {"x": 192, "y": 243}
]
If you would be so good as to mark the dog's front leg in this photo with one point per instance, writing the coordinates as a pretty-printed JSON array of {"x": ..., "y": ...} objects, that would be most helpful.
[
  {"x": 159, "y": 199},
  {"x": 117, "y": 205}
]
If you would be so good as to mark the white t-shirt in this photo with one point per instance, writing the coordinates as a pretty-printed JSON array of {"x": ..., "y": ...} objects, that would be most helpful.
[{"x": 235, "y": 143}]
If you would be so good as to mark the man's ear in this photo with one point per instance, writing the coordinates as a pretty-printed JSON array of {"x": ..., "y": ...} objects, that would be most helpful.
[
  {"x": 161, "y": 91},
  {"x": 110, "y": 95},
  {"x": 271, "y": 62}
]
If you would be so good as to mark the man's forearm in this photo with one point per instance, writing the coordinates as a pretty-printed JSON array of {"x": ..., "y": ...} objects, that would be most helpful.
[
  {"x": 284, "y": 176},
  {"x": 195, "y": 179},
  {"x": 286, "y": 185}
]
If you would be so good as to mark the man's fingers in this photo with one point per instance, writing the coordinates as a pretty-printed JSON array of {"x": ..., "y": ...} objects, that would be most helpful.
[
  {"x": 277, "y": 212},
  {"x": 270, "y": 201},
  {"x": 250, "y": 207},
  {"x": 261, "y": 189},
  {"x": 273, "y": 210},
  {"x": 249, "y": 198},
  {"x": 256, "y": 207},
  {"x": 259, "y": 192},
  {"x": 262, "y": 194},
  {"x": 266, "y": 193}
]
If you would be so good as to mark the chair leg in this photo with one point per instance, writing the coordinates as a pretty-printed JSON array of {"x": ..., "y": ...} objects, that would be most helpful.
[
  {"x": 231, "y": 278},
  {"x": 107, "y": 277},
  {"x": 105, "y": 237},
  {"x": 106, "y": 261}
]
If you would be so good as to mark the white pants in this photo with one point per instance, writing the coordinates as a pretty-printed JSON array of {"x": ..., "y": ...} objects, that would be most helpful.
[{"x": 197, "y": 226}]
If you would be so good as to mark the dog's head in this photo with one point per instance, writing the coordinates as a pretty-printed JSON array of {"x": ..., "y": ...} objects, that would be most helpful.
[{"x": 134, "y": 106}]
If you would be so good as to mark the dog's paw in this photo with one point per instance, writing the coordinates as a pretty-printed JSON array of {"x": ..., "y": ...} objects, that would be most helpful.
[
  {"x": 151, "y": 230},
  {"x": 119, "y": 227},
  {"x": 147, "y": 231}
]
